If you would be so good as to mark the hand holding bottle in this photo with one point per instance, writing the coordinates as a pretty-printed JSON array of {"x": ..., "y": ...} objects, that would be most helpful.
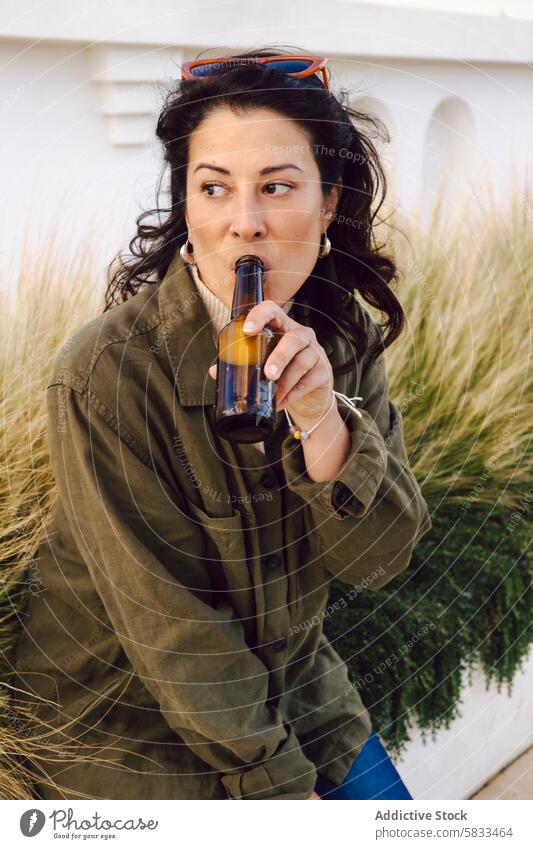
[{"x": 304, "y": 377}]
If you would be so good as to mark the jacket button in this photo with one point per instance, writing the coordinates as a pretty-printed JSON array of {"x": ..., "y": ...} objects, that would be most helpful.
[
  {"x": 272, "y": 561},
  {"x": 268, "y": 479},
  {"x": 279, "y": 645}
]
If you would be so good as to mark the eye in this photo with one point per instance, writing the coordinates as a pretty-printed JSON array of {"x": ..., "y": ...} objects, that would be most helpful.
[
  {"x": 212, "y": 186},
  {"x": 286, "y": 185}
]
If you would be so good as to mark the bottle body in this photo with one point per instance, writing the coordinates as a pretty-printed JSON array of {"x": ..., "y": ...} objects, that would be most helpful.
[{"x": 245, "y": 407}]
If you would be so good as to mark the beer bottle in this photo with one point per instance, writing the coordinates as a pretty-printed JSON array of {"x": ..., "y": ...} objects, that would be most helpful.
[{"x": 245, "y": 406}]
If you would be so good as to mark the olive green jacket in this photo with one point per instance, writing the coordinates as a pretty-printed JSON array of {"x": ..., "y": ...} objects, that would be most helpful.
[{"x": 184, "y": 579}]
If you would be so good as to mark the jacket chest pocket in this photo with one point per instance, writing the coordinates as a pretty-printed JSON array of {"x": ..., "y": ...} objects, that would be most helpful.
[{"x": 228, "y": 540}]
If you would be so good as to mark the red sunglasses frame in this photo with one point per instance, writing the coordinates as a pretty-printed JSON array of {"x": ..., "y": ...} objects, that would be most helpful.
[{"x": 318, "y": 65}]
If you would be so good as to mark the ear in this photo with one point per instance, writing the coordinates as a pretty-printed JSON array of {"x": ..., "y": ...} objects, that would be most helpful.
[{"x": 331, "y": 203}]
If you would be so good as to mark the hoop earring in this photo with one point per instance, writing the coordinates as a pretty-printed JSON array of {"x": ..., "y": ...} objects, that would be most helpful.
[
  {"x": 324, "y": 247},
  {"x": 187, "y": 247}
]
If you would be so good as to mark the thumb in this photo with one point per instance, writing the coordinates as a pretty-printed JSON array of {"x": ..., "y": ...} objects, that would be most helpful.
[{"x": 213, "y": 370}]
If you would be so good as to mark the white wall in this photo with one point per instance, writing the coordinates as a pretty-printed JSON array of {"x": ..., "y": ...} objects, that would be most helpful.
[
  {"x": 64, "y": 165},
  {"x": 504, "y": 8},
  {"x": 493, "y": 729}
]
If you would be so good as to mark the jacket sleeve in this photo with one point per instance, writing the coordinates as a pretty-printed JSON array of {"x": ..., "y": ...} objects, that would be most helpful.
[
  {"x": 366, "y": 521},
  {"x": 144, "y": 557}
]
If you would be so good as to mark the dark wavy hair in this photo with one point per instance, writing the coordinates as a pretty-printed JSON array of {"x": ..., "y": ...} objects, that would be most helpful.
[{"x": 341, "y": 151}]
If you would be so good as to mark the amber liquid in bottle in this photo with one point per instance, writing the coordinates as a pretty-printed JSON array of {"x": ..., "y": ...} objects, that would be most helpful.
[{"x": 245, "y": 408}]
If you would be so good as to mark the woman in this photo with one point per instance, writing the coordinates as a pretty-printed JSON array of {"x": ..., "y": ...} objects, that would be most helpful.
[{"x": 180, "y": 631}]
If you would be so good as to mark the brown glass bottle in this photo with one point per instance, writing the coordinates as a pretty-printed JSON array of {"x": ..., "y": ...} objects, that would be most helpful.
[{"x": 245, "y": 408}]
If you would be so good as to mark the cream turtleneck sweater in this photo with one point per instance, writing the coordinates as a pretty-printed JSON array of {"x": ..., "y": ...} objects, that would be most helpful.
[{"x": 219, "y": 313}]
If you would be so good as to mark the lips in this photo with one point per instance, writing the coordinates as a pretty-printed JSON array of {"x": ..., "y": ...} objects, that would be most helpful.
[{"x": 254, "y": 253}]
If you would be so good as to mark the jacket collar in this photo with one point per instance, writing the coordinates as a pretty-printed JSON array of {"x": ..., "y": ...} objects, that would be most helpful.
[
  {"x": 187, "y": 334},
  {"x": 188, "y": 337}
]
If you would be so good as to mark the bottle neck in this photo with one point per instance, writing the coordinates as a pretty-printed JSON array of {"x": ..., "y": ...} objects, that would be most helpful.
[{"x": 248, "y": 288}]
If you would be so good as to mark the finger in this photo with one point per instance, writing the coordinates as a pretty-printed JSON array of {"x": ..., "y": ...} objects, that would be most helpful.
[
  {"x": 288, "y": 347},
  {"x": 300, "y": 342},
  {"x": 306, "y": 386},
  {"x": 303, "y": 362},
  {"x": 268, "y": 312},
  {"x": 213, "y": 371}
]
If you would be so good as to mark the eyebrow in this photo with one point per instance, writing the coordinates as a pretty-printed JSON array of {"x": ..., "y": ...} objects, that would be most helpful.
[{"x": 268, "y": 169}]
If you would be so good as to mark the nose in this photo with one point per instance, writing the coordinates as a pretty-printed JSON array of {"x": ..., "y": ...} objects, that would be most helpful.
[{"x": 248, "y": 220}]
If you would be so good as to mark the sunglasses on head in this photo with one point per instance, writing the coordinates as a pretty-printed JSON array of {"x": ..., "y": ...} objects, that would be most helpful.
[{"x": 294, "y": 66}]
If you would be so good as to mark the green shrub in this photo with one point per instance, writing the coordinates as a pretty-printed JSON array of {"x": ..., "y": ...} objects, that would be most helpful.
[{"x": 465, "y": 599}]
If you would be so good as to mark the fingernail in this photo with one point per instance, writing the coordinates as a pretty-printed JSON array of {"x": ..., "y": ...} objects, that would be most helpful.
[
  {"x": 249, "y": 325},
  {"x": 273, "y": 370}
]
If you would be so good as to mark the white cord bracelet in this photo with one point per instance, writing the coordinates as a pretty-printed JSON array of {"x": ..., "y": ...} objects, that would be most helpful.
[{"x": 304, "y": 434}]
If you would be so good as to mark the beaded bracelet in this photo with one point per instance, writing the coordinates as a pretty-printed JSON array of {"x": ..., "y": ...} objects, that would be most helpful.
[{"x": 304, "y": 434}]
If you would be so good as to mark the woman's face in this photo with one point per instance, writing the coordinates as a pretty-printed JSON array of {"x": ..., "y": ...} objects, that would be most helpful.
[{"x": 240, "y": 200}]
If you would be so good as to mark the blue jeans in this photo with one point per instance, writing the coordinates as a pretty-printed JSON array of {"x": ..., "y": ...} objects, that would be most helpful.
[{"x": 372, "y": 775}]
